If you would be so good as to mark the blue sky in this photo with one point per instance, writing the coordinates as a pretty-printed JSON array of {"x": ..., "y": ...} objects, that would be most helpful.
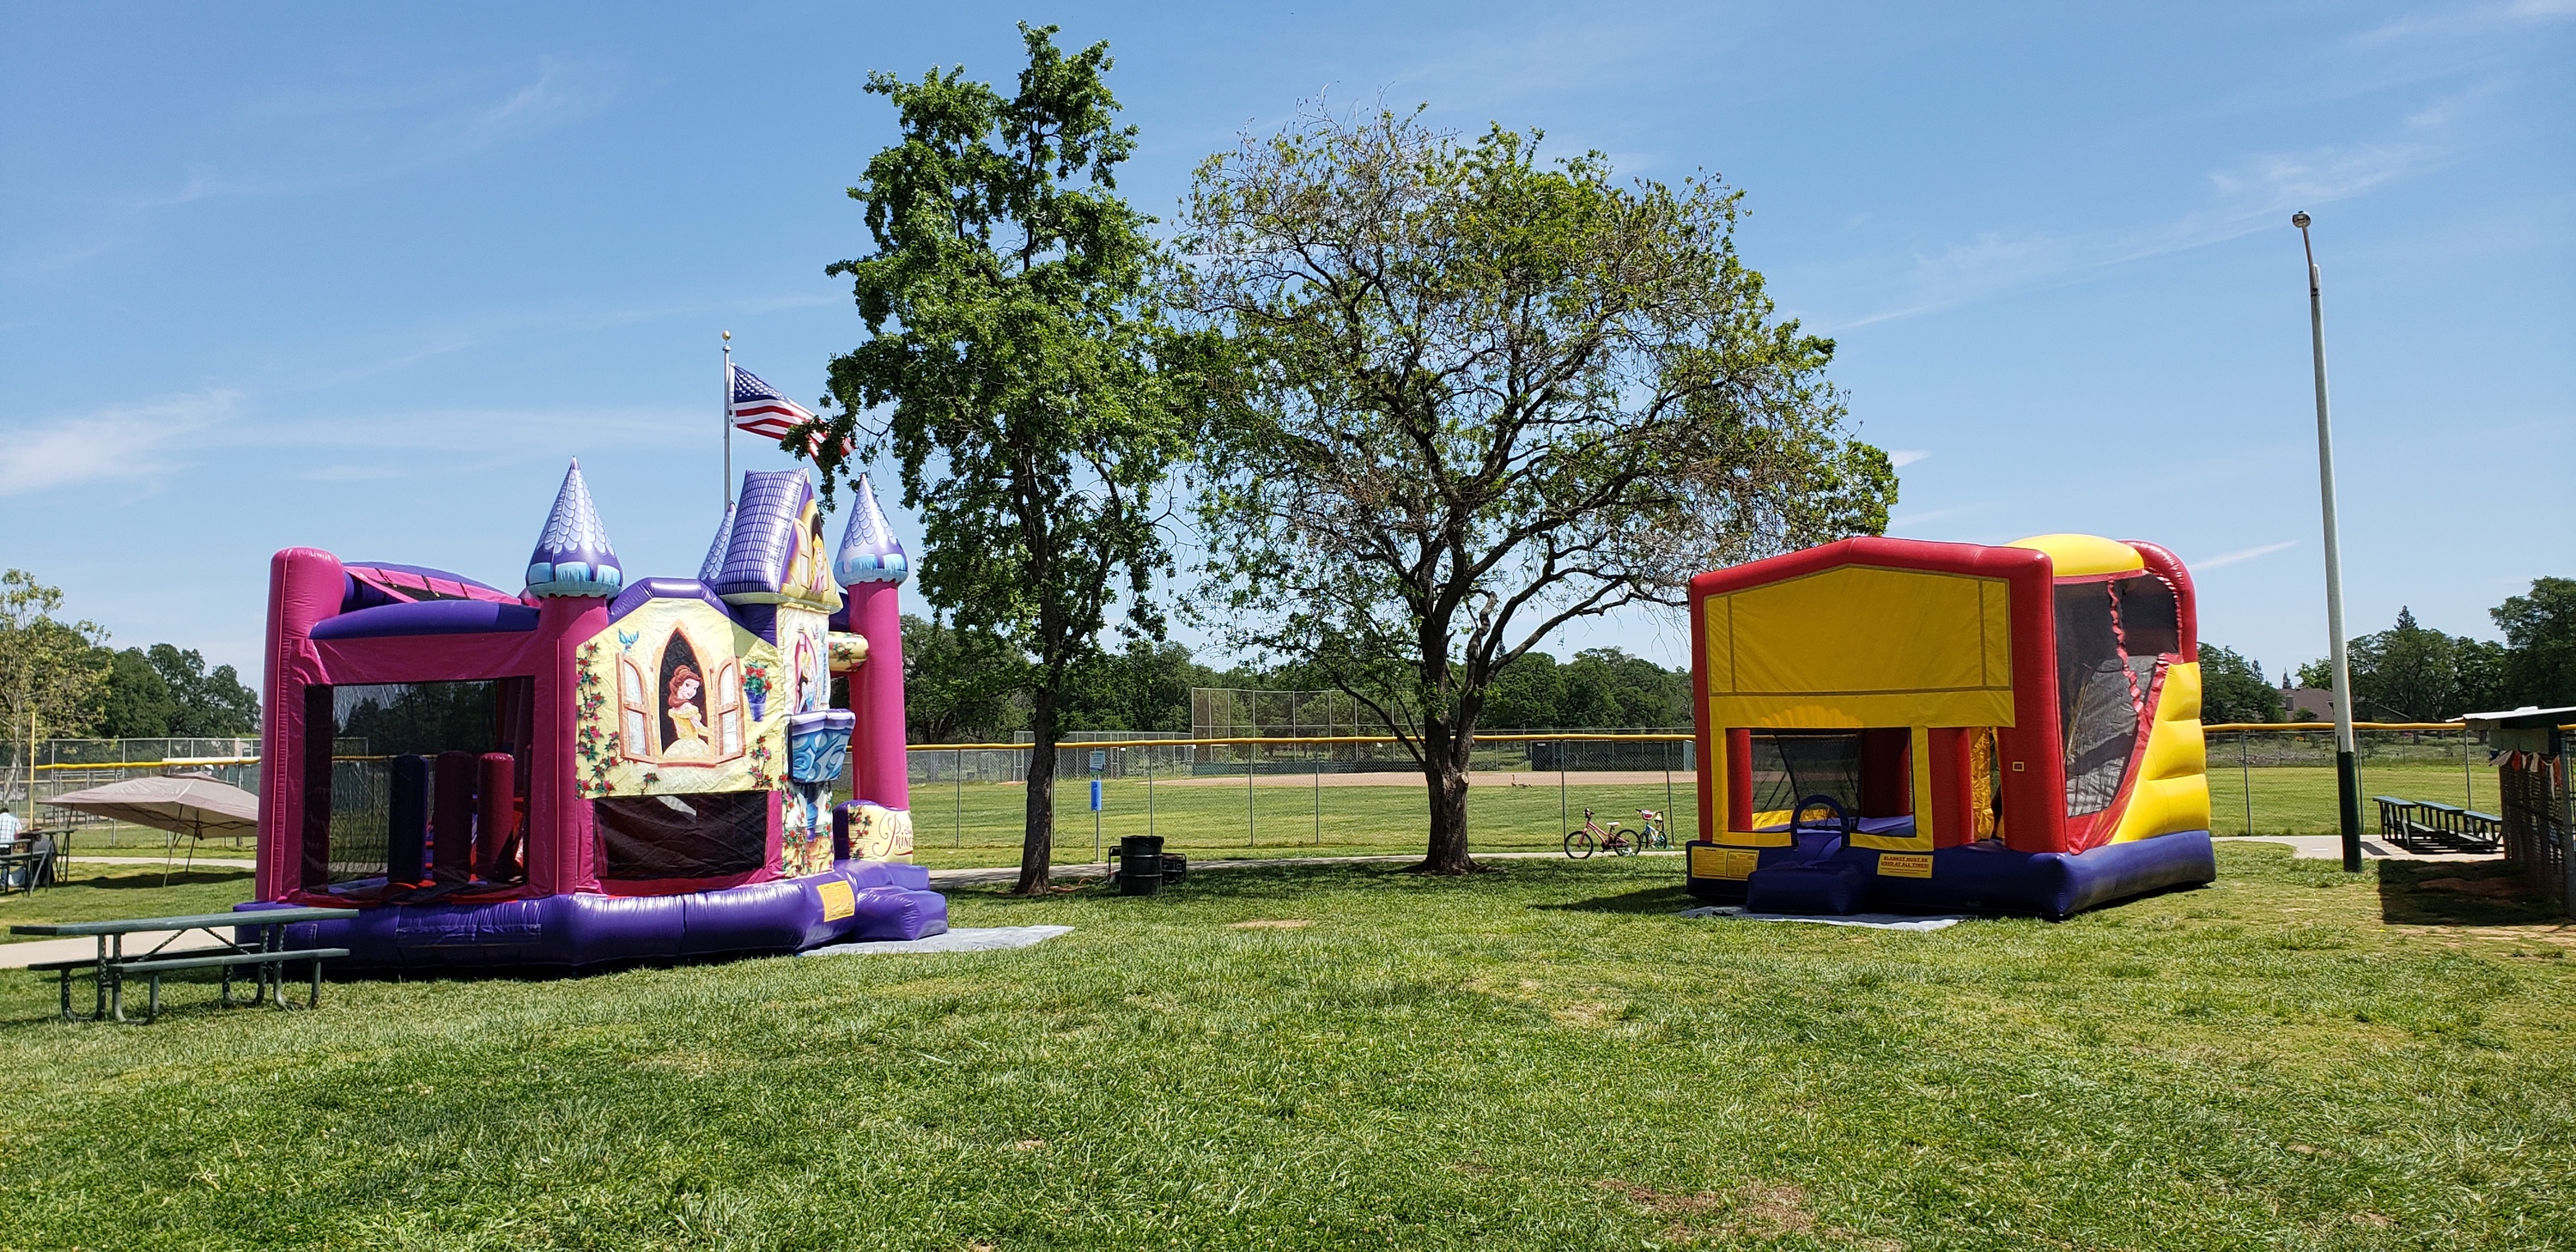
[{"x": 364, "y": 280}]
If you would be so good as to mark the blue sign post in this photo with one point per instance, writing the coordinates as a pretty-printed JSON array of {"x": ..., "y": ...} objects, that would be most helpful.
[{"x": 1097, "y": 854}]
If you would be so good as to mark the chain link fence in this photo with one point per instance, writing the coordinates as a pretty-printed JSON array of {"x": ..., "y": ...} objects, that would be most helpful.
[
  {"x": 2282, "y": 782},
  {"x": 1354, "y": 792}
]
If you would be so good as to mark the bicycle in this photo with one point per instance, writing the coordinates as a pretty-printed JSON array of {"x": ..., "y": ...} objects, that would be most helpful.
[
  {"x": 1650, "y": 832},
  {"x": 1581, "y": 841}
]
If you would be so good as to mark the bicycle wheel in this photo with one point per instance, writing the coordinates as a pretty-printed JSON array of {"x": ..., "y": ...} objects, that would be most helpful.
[
  {"x": 1578, "y": 844},
  {"x": 1621, "y": 844}
]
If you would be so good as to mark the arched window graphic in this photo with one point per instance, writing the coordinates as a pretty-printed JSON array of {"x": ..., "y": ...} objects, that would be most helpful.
[
  {"x": 635, "y": 710},
  {"x": 728, "y": 709},
  {"x": 681, "y": 703}
]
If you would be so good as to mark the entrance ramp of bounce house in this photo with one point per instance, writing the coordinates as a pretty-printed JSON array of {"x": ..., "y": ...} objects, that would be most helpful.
[
  {"x": 597, "y": 771},
  {"x": 1901, "y": 726}
]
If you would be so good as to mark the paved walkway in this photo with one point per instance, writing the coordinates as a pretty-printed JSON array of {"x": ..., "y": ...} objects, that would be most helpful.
[
  {"x": 83, "y": 858},
  {"x": 2330, "y": 848},
  {"x": 22, "y": 955}
]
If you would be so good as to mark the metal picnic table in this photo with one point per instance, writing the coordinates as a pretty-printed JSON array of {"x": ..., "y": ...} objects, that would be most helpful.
[
  {"x": 19, "y": 871},
  {"x": 267, "y": 955}
]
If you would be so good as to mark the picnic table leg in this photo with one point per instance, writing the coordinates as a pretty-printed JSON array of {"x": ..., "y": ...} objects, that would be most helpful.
[
  {"x": 111, "y": 989},
  {"x": 272, "y": 974}
]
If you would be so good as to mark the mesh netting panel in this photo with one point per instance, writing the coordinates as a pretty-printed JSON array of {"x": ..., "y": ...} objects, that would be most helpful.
[
  {"x": 374, "y": 722},
  {"x": 1788, "y": 768},
  {"x": 2096, "y": 698}
]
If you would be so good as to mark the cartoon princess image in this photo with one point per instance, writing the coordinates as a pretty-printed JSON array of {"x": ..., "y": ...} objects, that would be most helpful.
[{"x": 684, "y": 717}]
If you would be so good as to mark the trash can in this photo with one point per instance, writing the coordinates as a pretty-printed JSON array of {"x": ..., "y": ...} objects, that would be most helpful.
[{"x": 1137, "y": 865}]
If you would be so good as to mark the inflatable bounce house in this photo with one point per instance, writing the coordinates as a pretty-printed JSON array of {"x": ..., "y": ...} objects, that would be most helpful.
[
  {"x": 1928, "y": 727},
  {"x": 599, "y": 771}
]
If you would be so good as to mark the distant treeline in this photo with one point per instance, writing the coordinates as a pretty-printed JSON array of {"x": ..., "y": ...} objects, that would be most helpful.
[
  {"x": 2413, "y": 673},
  {"x": 950, "y": 696}
]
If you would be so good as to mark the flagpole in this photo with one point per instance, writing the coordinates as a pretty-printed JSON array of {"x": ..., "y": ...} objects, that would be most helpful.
[{"x": 727, "y": 420}]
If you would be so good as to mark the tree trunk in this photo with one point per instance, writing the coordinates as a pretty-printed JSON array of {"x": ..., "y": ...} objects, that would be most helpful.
[
  {"x": 1444, "y": 771},
  {"x": 1037, "y": 845}
]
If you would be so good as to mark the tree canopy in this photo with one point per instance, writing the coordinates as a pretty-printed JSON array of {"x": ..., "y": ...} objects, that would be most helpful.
[
  {"x": 166, "y": 691},
  {"x": 2540, "y": 637},
  {"x": 1485, "y": 395},
  {"x": 2413, "y": 672},
  {"x": 1033, "y": 399},
  {"x": 2233, "y": 689}
]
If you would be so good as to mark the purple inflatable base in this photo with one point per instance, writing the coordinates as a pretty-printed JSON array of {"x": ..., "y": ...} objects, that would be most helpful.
[
  {"x": 1827, "y": 878},
  {"x": 571, "y": 933}
]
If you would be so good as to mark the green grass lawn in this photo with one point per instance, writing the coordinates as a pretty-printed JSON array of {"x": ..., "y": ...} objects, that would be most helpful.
[
  {"x": 1538, "y": 1057},
  {"x": 2300, "y": 800}
]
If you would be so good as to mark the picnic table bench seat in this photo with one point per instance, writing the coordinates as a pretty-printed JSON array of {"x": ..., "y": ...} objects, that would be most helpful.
[{"x": 112, "y": 965}]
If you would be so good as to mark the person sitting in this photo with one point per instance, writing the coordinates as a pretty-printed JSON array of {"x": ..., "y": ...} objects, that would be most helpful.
[{"x": 40, "y": 871}]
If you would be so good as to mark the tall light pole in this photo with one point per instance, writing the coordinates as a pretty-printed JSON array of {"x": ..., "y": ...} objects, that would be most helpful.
[{"x": 2347, "y": 763}]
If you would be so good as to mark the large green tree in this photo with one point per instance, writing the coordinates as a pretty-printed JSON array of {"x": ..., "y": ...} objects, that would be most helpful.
[
  {"x": 2540, "y": 632},
  {"x": 1488, "y": 395},
  {"x": 1143, "y": 686},
  {"x": 2409, "y": 671},
  {"x": 1032, "y": 397},
  {"x": 52, "y": 673},
  {"x": 2233, "y": 689},
  {"x": 957, "y": 684},
  {"x": 167, "y": 691}
]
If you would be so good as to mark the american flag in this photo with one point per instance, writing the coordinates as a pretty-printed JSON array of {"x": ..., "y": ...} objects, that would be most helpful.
[{"x": 760, "y": 409}]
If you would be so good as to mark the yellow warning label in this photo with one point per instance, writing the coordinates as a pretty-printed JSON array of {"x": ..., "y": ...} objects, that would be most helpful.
[
  {"x": 1905, "y": 864},
  {"x": 837, "y": 900},
  {"x": 1708, "y": 862}
]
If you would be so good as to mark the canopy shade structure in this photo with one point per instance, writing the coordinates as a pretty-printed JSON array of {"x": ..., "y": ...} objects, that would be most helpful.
[
  {"x": 186, "y": 806},
  {"x": 196, "y": 807}
]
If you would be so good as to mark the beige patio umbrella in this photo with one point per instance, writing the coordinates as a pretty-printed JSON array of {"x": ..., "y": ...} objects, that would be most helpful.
[{"x": 184, "y": 804}]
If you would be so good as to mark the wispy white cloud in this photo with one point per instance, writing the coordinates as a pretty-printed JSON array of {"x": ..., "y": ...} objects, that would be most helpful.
[
  {"x": 118, "y": 442},
  {"x": 2242, "y": 555},
  {"x": 350, "y": 473},
  {"x": 564, "y": 91},
  {"x": 1910, "y": 520},
  {"x": 552, "y": 319},
  {"x": 2468, "y": 19},
  {"x": 326, "y": 139},
  {"x": 2255, "y": 192},
  {"x": 1902, "y": 457}
]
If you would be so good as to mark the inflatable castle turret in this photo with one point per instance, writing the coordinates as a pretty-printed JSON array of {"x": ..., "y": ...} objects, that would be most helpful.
[
  {"x": 573, "y": 556},
  {"x": 871, "y": 564},
  {"x": 598, "y": 771}
]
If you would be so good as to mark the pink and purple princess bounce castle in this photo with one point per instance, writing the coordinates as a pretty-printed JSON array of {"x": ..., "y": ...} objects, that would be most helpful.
[{"x": 596, "y": 772}]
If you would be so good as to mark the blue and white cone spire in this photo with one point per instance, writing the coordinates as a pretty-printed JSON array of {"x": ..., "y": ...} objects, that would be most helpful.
[
  {"x": 868, "y": 551},
  {"x": 572, "y": 557}
]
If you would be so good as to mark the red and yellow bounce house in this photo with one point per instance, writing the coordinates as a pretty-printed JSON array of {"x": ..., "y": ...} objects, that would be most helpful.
[{"x": 1905, "y": 726}]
